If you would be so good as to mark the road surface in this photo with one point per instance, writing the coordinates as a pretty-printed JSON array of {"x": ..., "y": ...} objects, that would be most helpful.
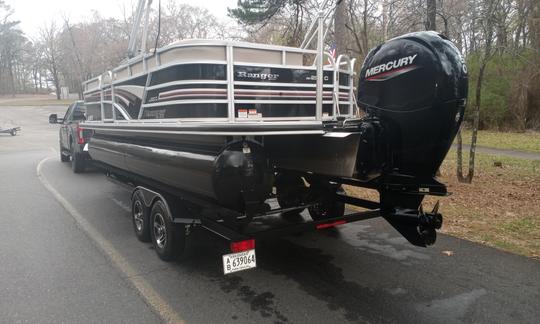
[
  {"x": 527, "y": 155},
  {"x": 68, "y": 254}
]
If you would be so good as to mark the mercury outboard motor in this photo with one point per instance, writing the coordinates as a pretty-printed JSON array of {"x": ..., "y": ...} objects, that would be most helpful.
[
  {"x": 416, "y": 84},
  {"x": 414, "y": 90}
]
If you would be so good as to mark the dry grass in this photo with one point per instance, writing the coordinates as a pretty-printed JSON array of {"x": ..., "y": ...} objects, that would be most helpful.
[{"x": 501, "y": 208}]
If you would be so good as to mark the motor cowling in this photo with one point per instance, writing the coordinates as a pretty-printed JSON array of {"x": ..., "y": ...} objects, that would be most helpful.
[{"x": 416, "y": 86}]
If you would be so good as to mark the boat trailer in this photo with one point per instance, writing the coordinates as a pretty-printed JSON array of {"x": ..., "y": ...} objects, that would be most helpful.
[
  {"x": 13, "y": 130},
  {"x": 161, "y": 214}
]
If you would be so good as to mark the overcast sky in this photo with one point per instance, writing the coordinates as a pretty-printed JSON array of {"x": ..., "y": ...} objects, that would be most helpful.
[{"x": 33, "y": 14}]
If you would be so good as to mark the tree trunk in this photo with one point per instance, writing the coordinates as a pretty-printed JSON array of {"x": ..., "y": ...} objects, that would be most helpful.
[
  {"x": 385, "y": 19},
  {"x": 56, "y": 79},
  {"x": 478, "y": 98},
  {"x": 459, "y": 162},
  {"x": 340, "y": 31},
  {"x": 534, "y": 28},
  {"x": 431, "y": 14},
  {"x": 476, "y": 119},
  {"x": 365, "y": 29},
  {"x": 11, "y": 77}
]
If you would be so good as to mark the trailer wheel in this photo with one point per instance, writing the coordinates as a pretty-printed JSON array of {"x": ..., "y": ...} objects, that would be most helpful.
[
  {"x": 328, "y": 206},
  {"x": 289, "y": 193},
  {"x": 169, "y": 240},
  {"x": 140, "y": 217}
]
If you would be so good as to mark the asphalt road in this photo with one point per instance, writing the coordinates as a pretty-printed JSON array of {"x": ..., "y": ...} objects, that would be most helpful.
[
  {"x": 68, "y": 254},
  {"x": 535, "y": 156}
]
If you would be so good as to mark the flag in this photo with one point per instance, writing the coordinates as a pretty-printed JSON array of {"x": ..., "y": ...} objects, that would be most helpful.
[{"x": 332, "y": 51}]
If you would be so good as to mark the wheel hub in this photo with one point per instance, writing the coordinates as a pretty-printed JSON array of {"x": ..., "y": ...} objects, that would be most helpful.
[
  {"x": 138, "y": 216},
  {"x": 160, "y": 232}
]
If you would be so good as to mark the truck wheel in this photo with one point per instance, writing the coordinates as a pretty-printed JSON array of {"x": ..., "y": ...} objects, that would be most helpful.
[
  {"x": 169, "y": 240},
  {"x": 328, "y": 207},
  {"x": 289, "y": 193},
  {"x": 140, "y": 217},
  {"x": 63, "y": 157},
  {"x": 78, "y": 163}
]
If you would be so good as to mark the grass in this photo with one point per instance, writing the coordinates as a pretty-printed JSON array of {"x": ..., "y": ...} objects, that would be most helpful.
[
  {"x": 515, "y": 167},
  {"x": 36, "y": 102},
  {"x": 527, "y": 141},
  {"x": 500, "y": 208}
]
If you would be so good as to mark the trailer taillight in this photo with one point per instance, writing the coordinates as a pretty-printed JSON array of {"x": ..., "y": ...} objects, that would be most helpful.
[
  {"x": 328, "y": 225},
  {"x": 242, "y": 246},
  {"x": 80, "y": 137}
]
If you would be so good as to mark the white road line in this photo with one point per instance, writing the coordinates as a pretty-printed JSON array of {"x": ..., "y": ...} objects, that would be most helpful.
[
  {"x": 121, "y": 204},
  {"x": 149, "y": 294}
]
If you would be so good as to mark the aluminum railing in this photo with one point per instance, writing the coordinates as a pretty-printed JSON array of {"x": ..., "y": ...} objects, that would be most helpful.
[{"x": 318, "y": 28}]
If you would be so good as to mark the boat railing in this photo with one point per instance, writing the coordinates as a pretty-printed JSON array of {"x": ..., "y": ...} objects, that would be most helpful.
[
  {"x": 241, "y": 54},
  {"x": 349, "y": 63}
]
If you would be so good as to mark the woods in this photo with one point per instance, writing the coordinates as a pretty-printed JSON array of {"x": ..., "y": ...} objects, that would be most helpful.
[
  {"x": 499, "y": 39},
  {"x": 65, "y": 53}
]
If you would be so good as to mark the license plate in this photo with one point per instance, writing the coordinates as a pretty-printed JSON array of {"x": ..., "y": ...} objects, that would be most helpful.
[{"x": 239, "y": 261}]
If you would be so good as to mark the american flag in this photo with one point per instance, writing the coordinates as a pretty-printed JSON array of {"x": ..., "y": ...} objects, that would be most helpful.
[{"x": 332, "y": 51}]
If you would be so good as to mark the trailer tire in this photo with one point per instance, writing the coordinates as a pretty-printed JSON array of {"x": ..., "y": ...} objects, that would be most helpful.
[
  {"x": 168, "y": 239},
  {"x": 328, "y": 207},
  {"x": 140, "y": 217},
  {"x": 78, "y": 162},
  {"x": 288, "y": 191}
]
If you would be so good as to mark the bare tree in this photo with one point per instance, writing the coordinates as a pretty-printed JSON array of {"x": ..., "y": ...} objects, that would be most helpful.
[
  {"x": 50, "y": 45},
  {"x": 488, "y": 30}
]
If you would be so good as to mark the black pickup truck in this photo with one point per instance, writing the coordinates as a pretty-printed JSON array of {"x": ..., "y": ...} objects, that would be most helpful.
[{"x": 73, "y": 139}]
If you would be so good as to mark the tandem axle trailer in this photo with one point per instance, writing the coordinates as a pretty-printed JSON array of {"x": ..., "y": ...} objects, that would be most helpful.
[{"x": 167, "y": 218}]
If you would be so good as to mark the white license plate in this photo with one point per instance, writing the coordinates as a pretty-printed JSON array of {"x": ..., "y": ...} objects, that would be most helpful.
[{"x": 239, "y": 261}]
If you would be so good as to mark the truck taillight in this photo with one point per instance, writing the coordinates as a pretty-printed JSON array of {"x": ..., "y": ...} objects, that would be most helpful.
[{"x": 80, "y": 138}]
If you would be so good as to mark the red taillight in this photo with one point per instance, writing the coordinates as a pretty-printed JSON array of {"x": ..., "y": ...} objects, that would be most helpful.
[
  {"x": 80, "y": 138},
  {"x": 328, "y": 225},
  {"x": 242, "y": 246}
]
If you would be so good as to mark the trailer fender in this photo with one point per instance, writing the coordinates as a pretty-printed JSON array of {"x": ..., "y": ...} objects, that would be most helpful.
[{"x": 172, "y": 205}]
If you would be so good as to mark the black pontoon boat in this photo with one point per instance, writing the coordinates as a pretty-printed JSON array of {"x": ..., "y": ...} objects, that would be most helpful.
[{"x": 227, "y": 125}]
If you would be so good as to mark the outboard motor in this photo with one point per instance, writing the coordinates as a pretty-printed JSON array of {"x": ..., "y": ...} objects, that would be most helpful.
[
  {"x": 414, "y": 90},
  {"x": 416, "y": 85}
]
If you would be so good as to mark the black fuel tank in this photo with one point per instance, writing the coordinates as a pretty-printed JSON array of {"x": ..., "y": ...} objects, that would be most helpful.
[
  {"x": 416, "y": 85},
  {"x": 242, "y": 174}
]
